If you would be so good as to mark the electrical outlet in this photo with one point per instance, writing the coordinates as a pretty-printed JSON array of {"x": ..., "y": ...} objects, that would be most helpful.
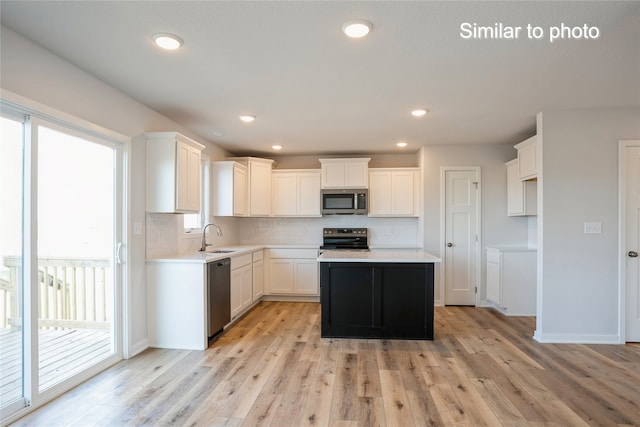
[
  {"x": 137, "y": 228},
  {"x": 592, "y": 228}
]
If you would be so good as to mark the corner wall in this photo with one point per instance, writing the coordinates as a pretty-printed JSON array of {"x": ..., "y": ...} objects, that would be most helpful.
[
  {"x": 578, "y": 273},
  {"x": 496, "y": 227}
]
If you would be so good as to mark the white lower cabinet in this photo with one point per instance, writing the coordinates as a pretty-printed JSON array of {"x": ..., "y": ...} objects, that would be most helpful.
[
  {"x": 511, "y": 280},
  {"x": 241, "y": 284},
  {"x": 293, "y": 272},
  {"x": 176, "y": 305},
  {"x": 305, "y": 276},
  {"x": 247, "y": 282},
  {"x": 280, "y": 276},
  {"x": 258, "y": 274}
]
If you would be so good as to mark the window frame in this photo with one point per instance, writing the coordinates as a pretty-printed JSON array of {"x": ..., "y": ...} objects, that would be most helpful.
[{"x": 205, "y": 200}]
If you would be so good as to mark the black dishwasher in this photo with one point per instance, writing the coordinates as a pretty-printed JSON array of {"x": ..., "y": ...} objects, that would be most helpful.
[{"x": 219, "y": 288}]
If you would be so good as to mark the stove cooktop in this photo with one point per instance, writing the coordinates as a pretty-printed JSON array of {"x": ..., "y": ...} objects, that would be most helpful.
[{"x": 345, "y": 239}]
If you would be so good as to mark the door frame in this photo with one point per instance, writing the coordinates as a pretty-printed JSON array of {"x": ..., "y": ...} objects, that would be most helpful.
[
  {"x": 443, "y": 219},
  {"x": 40, "y": 114},
  {"x": 622, "y": 236}
]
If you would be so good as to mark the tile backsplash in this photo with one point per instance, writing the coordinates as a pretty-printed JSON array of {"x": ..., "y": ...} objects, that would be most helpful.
[
  {"x": 166, "y": 237},
  {"x": 308, "y": 231},
  {"x": 165, "y": 234},
  {"x": 162, "y": 234}
]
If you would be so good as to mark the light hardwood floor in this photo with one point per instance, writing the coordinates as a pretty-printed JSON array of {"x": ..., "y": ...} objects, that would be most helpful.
[{"x": 272, "y": 368}]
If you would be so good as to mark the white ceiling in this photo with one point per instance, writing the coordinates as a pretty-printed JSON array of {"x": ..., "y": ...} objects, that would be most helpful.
[{"x": 315, "y": 91}]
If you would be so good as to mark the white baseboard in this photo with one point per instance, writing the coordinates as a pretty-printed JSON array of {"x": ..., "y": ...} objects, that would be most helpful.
[
  {"x": 576, "y": 339},
  {"x": 137, "y": 348}
]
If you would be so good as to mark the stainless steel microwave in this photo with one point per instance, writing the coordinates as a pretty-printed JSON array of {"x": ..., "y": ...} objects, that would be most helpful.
[{"x": 345, "y": 202}]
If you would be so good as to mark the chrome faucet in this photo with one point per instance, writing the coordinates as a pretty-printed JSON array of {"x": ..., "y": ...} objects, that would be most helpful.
[{"x": 203, "y": 246}]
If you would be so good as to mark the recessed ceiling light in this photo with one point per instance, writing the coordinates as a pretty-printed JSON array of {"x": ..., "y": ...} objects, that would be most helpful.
[
  {"x": 277, "y": 147},
  {"x": 356, "y": 28},
  {"x": 247, "y": 119},
  {"x": 401, "y": 144},
  {"x": 167, "y": 41},
  {"x": 419, "y": 112}
]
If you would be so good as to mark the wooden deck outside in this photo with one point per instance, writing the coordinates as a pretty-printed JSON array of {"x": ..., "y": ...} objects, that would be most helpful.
[{"x": 62, "y": 354}]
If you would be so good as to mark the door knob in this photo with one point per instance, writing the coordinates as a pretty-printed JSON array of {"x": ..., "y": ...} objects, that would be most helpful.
[
  {"x": 633, "y": 254},
  {"x": 449, "y": 245}
]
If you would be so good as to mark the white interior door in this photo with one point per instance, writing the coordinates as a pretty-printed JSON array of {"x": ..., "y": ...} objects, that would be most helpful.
[
  {"x": 632, "y": 274},
  {"x": 461, "y": 235}
]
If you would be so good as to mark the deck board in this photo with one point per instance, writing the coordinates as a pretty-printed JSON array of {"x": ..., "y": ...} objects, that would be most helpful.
[{"x": 62, "y": 353}]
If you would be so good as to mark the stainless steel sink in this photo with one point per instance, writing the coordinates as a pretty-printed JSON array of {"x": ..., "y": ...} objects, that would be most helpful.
[{"x": 221, "y": 251}]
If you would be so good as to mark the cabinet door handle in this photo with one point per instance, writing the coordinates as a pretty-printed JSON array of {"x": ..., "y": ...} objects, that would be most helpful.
[
  {"x": 633, "y": 254},
  {"x": 449, "y": 245}
]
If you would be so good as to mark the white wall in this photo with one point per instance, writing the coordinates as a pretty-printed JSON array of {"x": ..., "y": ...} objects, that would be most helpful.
[
  {"x": 578, "y": 287},
  {"x": 496, "y": 228},
  {"x": 30, "y": 71}
]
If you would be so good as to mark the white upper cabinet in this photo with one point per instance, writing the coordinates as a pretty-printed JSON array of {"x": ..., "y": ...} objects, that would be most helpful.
[
  {"x": 309, "y": 193},
  {"x": 527, "y": 159},
  {"x": 229, "y": 184},
  {"x": 296, "y": 193},
  {"x": 259, "y": 188},
  {"x": 521, "y": 195},
  {"x": 173, "y": 173},
  {"x": 345, "y": 173},
  {"x": 394, "y": 192},
  {"x": 285, "y": 193},
  {"x": 258, "y": 184}
]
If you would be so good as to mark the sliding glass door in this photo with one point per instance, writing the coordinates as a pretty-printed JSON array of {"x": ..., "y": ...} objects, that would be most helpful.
[
  {"x": 11, "y": 261},
  {"x": 76, "y": 257},
  {"x": 61, "y": 228}
]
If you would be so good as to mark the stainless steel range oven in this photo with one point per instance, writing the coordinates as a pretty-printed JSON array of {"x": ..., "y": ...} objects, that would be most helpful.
[{"x": 345, "y": 239}]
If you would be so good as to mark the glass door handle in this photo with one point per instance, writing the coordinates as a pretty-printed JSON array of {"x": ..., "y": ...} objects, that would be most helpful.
[{"x": 118, "y": 252}]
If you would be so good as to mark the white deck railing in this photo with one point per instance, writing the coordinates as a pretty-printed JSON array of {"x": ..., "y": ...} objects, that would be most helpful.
[{"x": 72, "y": 293}]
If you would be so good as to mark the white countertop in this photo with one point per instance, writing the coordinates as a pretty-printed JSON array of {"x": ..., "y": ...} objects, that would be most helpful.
[
  {"x": 210, "y": 255},
  {"x": 506, "y": 248},
  {"x": 204, "y": 257},
  {"x": 378, "y": 256}
]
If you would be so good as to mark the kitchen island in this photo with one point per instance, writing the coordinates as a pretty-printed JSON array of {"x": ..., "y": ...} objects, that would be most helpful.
[{"x": 377, "y": 294}]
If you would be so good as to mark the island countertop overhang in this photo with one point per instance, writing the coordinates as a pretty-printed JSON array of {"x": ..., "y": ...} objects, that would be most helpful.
[{"x": 417, "y": 257}]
